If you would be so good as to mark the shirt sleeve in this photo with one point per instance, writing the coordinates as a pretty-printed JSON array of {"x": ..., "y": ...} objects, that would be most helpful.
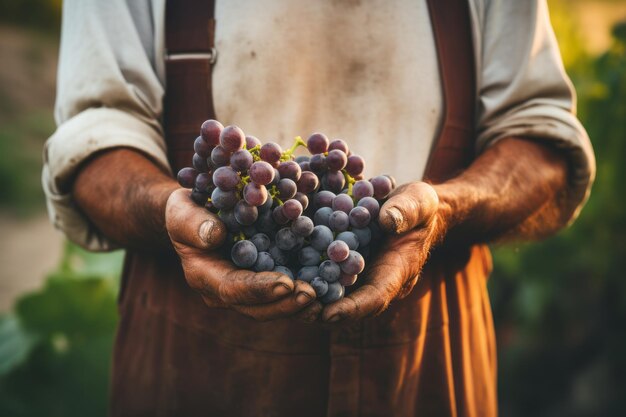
[
  {"x": 524, "y": 90},
  {"x": 108, "y": 95}
]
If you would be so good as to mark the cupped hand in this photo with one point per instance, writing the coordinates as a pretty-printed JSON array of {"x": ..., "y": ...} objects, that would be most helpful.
[
  {"x": 415, "y": 220},
  {"x": 196, "y": 234}
]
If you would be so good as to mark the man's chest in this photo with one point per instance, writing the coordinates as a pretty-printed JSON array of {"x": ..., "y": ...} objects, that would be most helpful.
[{"x": 347, "y": 67}]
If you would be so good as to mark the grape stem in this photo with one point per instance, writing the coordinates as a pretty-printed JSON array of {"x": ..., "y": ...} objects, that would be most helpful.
[
  {"x": 350, "y": 180},
  {"x": 287, "y": 155}
]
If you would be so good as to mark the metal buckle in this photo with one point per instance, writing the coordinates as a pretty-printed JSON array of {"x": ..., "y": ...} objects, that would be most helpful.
[{"x": 211, "y": 56}]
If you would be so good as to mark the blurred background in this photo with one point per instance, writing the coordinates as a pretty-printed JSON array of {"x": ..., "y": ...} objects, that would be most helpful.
[{"x": 559, "y": 306}]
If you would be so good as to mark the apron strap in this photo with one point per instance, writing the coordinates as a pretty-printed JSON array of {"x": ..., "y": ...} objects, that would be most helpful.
[
  {"x": 190, "y": 55},
  {"x": 453, "y": 150}
]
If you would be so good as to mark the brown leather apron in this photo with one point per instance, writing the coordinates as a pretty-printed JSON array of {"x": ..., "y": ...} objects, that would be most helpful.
[{"x": 430, "y": 354}]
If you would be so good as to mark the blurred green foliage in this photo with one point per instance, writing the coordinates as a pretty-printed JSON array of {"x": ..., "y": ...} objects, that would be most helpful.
[
  {"x": 40, "y": 14},
  {"x": 55, "y": 349},
  {"x": 560, "y": 305}
]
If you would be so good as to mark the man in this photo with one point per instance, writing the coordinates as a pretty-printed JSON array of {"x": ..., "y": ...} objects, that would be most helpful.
[{"x": 413, "y": 339}]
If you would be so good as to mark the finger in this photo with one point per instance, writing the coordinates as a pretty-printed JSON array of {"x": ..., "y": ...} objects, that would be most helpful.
[
  {"x": 191, "y": 225},
  {"x": 287, "y": 307},
  {"x": 381, "y": 285},
  {"x": 215, "y": 277},
  {"x": 310, "y": 313},
  {"x": 410, "y": 206}
]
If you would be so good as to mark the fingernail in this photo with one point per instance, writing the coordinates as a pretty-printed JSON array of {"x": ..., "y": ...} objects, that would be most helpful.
[
  {"x": 206, "y": 230},
  {"x": 303, "y": 298},
  {"x": 281, "y": 289},
  {"x": 334, "y": 318},
  {"x": 396, "y": 218}
]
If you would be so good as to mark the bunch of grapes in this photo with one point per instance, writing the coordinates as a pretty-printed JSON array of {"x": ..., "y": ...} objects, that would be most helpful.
[{"x": 311, "y": 218}]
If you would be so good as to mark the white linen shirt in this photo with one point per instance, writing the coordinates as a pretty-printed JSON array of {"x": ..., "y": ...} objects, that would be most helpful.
[{"x": 364, "y": 71}]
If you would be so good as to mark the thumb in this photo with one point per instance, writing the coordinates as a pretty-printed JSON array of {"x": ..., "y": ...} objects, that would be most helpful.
[
  {"x": 191, "y": 225},
  {"x": 410, "y": 206}
]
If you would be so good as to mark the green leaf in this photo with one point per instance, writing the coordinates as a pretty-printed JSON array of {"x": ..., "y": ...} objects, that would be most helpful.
[{"x": 16, "y": 343}]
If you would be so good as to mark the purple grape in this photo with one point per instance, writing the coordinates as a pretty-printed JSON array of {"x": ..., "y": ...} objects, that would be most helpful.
[
  {"x": 340, "y": 145},
  {"x": 329, "y": 271},
  {"x": 302, "y": 158},
  {"x": 245, "y": 213},
  {"x": 261, "y": 241},
  {"x": 354, "y": 264},
  {"x": 290, "y": 169},
  {"x": 241, "y": 160},
  {"x": 338, "y": 221},
  {"x": 265, "y": 223},
  {"x": 279, "y": 215},
  {"x": 320, "y": 286},
  {"x": 364, "y": 236},
  {"x": 382, "y": 186},
  {"x": 338, "y": 251},
  {"x": 287, "y": 189},
  {"x": 264, "y": 262},
  {"x": 244, "y": 254},
  {"x": 204, "y": 182},
  {"x": 201, "y": 147},
  {"x": 251, "y": 142},
  {"x": 249, "y": 231},
  {"x": 199, "y": 163},
  {"x": 285, "y": 239},
  {"x": 343, "y": 202},
  {"x": 321, "y": 237},
  {"x": 228, "y": 218},
  {"x": 271, "y": 153},
  {"x": 304, "y": 166},
  {"x": 220, "y": 157},
  {"x": 232, "y": 138},
  {"x": 324, "y": 199},
  {"x": 318, "y": 163},
  {"x": 393, "y": 181},
  {"x": 309, "y": 256},
  {"x": 336, "y": 160},
  {"x": 322, "y": 216},
  {"x": 371, "y": 204},
  {"x": 255, "y": 194},
  {"x": 349, "y": 238},
  {"x": 226, "y": 178},
  {"x": 279, "y": 256},
  {"x": 302, "y": 226},
  {"x": 347, "y": 280},
  {"x": 359, "y": 217},
  {"x": 362, "y": 189},
  {"x": 292, "y": 209},
  {"x": 277, "y": 178},
  {"x": 355, "y": 165},
  {"x": 224, "y": 199},
  {"x": 187, "y": 177},
  {"x": 334, "y": 181},
  {"x": 199, "y": 197},
  {"x": 284, "y": 270},
  {"x": 210, "y": 131},
  {"x": 261, "y": 173},
  {"x": 303, "y": 199},
  {"x": 317, "y": 143},
  {"x": 307, "y": 273},
  {"x": 308, "y": 182},
  {"x": 267, "y": 206},
  {"x": 335, "y": 293}
]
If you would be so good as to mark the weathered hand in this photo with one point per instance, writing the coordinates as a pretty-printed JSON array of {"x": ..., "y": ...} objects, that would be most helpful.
[
  {"x": 413, "y": 216},
  {"x": 195, "y": 233}
]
